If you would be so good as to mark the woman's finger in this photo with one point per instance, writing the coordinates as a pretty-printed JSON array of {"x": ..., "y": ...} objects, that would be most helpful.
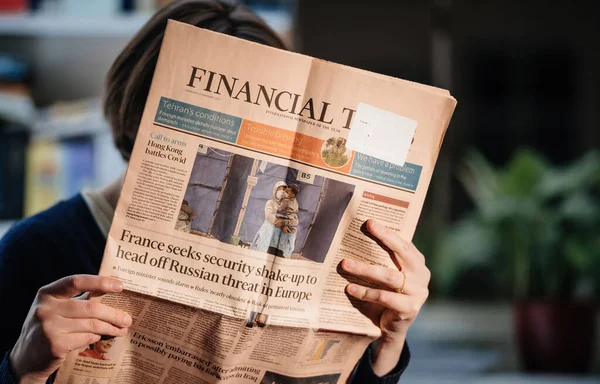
[
  {"x": 389, "y": 277},
  {"x": 405, "y": 251},
  {"x": 75, "y": 341},
  {"x": 70, "y": 286},
  {"x": 95, "y": 326},
  {"x": 92, "y": 309},
  {"x": 402, "y": 305}
]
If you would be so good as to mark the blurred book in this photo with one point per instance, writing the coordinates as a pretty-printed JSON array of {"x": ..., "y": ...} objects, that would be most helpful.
[
  {"x": 56, "y": 170},
  {"x": 42, "y": 182},
  {"x": 71, "y": 149},
  {"x": 80, "y": 171}
]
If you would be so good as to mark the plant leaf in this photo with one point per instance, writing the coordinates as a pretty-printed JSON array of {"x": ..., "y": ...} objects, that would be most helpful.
[
  {"x": 480, "y": 180},
  {"x": 466, "y": 244},
  {"x": 523, "y": 173},
  {"x": 580, "y": 175}
]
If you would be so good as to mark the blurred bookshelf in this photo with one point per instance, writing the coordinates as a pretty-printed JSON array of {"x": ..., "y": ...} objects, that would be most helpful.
[
  {"x": 57, "y": 23},
  {"x": 50, "y": 25},
  {"x": 54, "y": 54}
]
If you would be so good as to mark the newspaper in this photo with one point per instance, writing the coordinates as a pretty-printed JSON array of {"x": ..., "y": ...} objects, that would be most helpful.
[{"x": 251, "y": 176}]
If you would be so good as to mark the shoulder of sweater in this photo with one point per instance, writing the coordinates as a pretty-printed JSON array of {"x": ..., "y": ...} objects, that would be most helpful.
[{"x": 49, "y": 226}]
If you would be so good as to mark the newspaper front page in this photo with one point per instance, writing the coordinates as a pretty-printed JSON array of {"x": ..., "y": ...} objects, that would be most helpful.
[{"x": 251, "y": 176}]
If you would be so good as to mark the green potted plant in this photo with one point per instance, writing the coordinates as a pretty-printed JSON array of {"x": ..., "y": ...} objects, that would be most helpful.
[{"x": 537, "y": 228}]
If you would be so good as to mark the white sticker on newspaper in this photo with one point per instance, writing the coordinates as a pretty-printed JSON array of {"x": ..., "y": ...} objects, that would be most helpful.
[{"x": 381, "y": 134}]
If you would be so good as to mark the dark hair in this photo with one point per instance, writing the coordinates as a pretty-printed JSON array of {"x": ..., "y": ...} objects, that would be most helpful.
[
  {"x": 295, "y": 188},
  {"x": 128, "y": 80}
]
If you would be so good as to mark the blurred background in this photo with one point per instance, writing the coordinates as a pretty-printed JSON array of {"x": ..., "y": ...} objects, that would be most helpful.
[{"x": 511, "y": 225}]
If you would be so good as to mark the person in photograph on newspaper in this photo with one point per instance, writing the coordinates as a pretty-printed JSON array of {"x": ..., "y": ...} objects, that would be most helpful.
[
  {"x": 277, "y": 234},
  {"x": 99, "y": 349},
  {"x": 288, "y": 208},
  {"x": 48, "y": 259},
  {"x": 185, "y": 217}
]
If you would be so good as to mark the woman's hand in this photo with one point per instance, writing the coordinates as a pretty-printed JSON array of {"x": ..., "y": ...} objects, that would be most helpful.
[
  {"x": 279, "y": 223},
  {"x": 58, "y": 324},
  {"x": 399, "y": 301}
]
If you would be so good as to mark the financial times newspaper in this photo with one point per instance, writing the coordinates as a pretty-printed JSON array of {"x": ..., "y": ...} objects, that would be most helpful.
[{"x": 251, "y": 176}]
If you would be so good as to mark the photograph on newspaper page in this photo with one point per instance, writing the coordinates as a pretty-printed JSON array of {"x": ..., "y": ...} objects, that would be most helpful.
[
  {"x": 252, "y": 174},
  {"x": 239, "y": 200}
]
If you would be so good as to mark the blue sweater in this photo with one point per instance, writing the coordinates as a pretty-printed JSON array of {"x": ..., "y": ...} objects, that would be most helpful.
[{"x": 65, "y": 240}]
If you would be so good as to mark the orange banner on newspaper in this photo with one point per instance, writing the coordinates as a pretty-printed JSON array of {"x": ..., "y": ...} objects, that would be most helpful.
[{"x": 331, "y": 154}]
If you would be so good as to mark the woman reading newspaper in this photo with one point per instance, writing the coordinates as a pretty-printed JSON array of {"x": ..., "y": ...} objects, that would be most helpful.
[{"x": 49, "y": 259}]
